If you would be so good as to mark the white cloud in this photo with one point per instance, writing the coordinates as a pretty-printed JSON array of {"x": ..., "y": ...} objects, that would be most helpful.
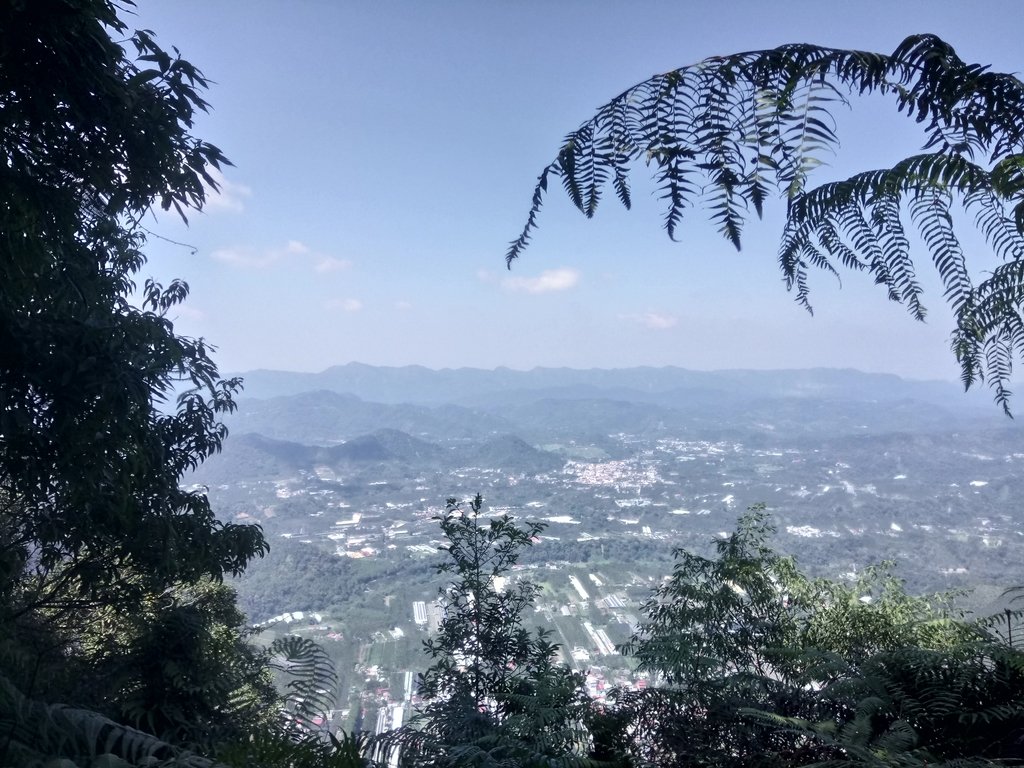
[
  {"x": 229, "y": 196},
  {"x": 294, "y": 252},
  {"x": 345, "y": 305},
  {"x": 660, "y": 320},
  {"x": 549, "y": 280},
  {"x": 403, "y": 305},
  {"x": 656, "y": 321},
  {"x": 245, "y": 257},
  {"x": 331, "y": 264}
]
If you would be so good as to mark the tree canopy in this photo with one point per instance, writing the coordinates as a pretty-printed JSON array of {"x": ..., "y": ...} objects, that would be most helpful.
[
  {"x": 493, "y": 693},
  {"x": 109, "y": 568},
  {"x": 94, "y": 445},
  {"x": 756, "y": 664},
  {"x": 731, "y": 132}
]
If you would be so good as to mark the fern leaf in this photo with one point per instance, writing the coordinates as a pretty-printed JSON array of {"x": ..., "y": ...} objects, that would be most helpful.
[
  {"x": 731, "y": 131},
  {"x": 310, "y": 679}
]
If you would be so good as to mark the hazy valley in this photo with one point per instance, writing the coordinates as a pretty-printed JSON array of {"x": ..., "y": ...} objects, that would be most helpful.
[{"x": 622, "y": 467}]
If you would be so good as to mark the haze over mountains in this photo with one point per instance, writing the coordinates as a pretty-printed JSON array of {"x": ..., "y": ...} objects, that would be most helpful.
[
  {"x": 348, "y": 469},
  {"x": 417, "y": 384},
  {"x": 348, "y": 401},
  {"x": 415, "y": 421},
  {"x": 625, "y": 464}
]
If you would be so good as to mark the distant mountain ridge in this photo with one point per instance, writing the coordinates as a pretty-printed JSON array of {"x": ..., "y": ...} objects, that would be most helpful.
[
  {"x": 416, "y": 384},
  {"x": 548, "y": 405}
]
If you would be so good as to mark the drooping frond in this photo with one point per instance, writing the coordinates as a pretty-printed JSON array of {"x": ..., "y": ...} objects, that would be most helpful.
[
  {"x": 37, "y": 733},
  {"x": 310, "y": 680},
  {"x": 858, "y": 222},
  {"x": 730, "y": 132}
]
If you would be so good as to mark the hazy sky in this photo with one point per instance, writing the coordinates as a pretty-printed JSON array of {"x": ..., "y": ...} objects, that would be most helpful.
[{"x": 385, "y": 154}]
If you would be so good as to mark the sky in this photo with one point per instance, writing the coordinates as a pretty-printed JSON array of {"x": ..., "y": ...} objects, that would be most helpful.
[{"x": 385, "y": 154}]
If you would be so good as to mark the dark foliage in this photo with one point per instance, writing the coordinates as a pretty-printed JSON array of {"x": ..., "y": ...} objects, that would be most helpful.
[
  {"x": 493, "y": 691},
  {"x": 109, "y": 569},
  {"x": 754, "y": 664},
  {"x": 92, "y": 139}
]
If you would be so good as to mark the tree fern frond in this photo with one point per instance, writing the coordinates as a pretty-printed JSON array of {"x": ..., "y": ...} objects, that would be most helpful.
[
  {"x": 726, "y": 131},
  {"x": 899, "y": 268},
  {"x": 929, "y": 209},
  {"x": 310, "y": 679},
  {"x": 999, "y": 369},
  {"x": 575, "y": 177},
  {"x": 35, "y": 733},
  {"x": 832, "y": 243},
  {"x": 619, "y": 149},
  {"x": 1001, "y": 234},
  {"x": 517, "y": 246}
]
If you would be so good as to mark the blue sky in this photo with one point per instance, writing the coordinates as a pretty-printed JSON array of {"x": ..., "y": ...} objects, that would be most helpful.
[{"x": 385, "y": 154}]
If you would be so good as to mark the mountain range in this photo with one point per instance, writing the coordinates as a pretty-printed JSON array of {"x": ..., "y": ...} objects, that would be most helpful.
[
  {"x": 666, "y": 385},
  {"x": 553, "y": 405}
]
